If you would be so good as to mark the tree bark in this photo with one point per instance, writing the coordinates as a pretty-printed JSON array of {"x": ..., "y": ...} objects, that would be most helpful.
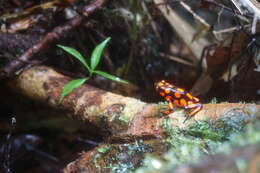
[{"x": 122, "y": 118}]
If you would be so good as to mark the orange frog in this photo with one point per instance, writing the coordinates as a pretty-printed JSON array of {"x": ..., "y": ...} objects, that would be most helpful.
[{"x": 178, "y": 97}]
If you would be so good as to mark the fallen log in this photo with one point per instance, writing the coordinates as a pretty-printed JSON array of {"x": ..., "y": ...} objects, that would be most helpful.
[{"x": 123, "y": 118}]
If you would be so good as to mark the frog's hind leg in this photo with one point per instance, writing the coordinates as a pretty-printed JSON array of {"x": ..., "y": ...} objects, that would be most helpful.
[{"x": 195, "y": 109}]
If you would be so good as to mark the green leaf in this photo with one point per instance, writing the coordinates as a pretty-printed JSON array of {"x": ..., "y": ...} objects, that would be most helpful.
[
  {"x": 69, "y": 87},
  {"x": 109, "y": 76},
  {"x": 96, "y": 54},
  {"x": 76, "y": 54}
]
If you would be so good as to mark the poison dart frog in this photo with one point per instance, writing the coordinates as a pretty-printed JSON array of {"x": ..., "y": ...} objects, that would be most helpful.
[{"x": 178, "y": 97}]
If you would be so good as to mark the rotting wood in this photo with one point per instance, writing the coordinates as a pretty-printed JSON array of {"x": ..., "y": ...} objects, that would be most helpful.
[{"x": 124, "y": 118}]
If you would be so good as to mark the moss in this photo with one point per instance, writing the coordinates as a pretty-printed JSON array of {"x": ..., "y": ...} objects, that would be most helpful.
[
  {"x": 251, "y": 135},
  {"x": 184, "y": 145},
  {"x": 120, "y": 158},
  {"x": 123, "y": 119},
  {"x": 219, "y": 130},
  {"x": 101, "y": 151},
  {"x": 241, "y": 164},
  {"x": 114, "y": 119},
  {"x": 189, "y": 144},
  {"x": 129, "y": 156},
  {"x": 213, "y": 100}
]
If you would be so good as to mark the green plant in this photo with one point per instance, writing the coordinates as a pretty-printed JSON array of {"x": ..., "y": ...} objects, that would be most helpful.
[{"x": 94, "y": 61}]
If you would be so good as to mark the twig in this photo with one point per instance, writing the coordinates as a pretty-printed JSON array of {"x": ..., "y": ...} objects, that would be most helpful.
[
  {"x": 227, "y": 30},
  {"x": 177, "y": 59},
  {"x": 200, "y": 19},
  {"x": 56, "y": 34}
]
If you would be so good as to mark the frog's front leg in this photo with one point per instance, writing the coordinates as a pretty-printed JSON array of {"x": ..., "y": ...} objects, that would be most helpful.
[{"x": 170, "y": 106}]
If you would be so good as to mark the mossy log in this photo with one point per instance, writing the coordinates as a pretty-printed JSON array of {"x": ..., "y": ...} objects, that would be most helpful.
[{"x": 123, "y": 118}]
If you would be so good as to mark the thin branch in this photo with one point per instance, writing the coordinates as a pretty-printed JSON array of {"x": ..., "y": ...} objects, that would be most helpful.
[
  {"x": 177, "y": 59},
  {"x": 200, "y": 19},
  {"x": 227, "y": 30}
]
